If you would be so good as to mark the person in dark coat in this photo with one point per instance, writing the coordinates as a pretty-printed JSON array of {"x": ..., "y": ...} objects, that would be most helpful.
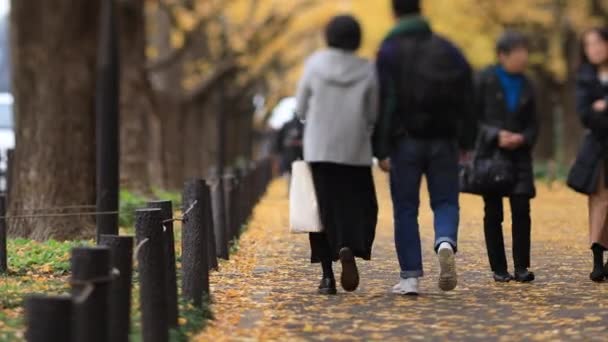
[
  {"x": 288, "y": 144},
  {"x": 337, "y": 98},
  {"x": 508, "y": 121},
  {"x": 426, "y": 121},
  {"x": 589, "y": 174}
]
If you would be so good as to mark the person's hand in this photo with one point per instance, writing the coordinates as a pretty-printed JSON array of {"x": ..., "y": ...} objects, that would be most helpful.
[
  {"x": 385, "y": 165},
  {"x": 510, "y": 141},
  {"x": 600, "y": 105},
  {"x": 505, "y": 139},
  {"x": 517, "y": 140},
  {"x": 465, "y": 156}
]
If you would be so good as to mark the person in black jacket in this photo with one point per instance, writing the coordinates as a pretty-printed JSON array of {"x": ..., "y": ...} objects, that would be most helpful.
[
  {"x": 426, "y": 118},
  {"x": 506, "y": 107},
  {"x": 288, "y": 144},
  {"x": 590, "y": 172}
]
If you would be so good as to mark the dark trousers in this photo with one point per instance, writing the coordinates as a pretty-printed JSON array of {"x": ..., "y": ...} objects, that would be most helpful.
[{"x": 494, "y": 217}]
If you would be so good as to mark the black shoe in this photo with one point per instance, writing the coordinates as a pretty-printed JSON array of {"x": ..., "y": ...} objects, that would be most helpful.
[
  {"x": 502, "y": 277},
  {"x": 350, "y": 273},
  {"x": 598, "y": 275},
  {"x": 606, "y": 270},
  {"x": 524, "y": 276},
  {"x": 328, "y": 286}
]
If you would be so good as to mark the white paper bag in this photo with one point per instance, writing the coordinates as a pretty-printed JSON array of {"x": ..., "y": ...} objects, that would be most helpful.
[{"x": 303, "y": 205}]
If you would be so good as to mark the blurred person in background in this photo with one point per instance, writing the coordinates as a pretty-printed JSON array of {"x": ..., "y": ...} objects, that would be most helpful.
[
  {"x": 589, "y": 174},
  {"x": 288, "y": 145},
  {"x": 506, "y": 108}
]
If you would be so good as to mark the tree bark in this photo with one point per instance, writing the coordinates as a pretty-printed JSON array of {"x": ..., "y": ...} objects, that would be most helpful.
[
  {"x": 167, "y": 126},
  {"x": 573, "y": 129},
  {"x": 136, "y": 99},
  {"x": 54, "y": 45}
]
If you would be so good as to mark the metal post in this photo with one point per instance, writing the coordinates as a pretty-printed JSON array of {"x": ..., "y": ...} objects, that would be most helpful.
[
  {"x": 91, "y": 279},
  {"x": 120, "y": 291},
  {"x": 48, "y": 318},
  {"x": 153, "y": 283},
  {"x": 166, "y": 208},
  {"x": 107, "y": 121}
]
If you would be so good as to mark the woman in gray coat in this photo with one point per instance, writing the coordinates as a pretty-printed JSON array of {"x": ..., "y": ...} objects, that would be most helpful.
[{"x": 337, "y": 100}]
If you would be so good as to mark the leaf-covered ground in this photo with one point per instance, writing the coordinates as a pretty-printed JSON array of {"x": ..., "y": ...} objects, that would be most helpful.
[
  {"x": 43, "y": 267},
  {"x": 267, "y": 290}
]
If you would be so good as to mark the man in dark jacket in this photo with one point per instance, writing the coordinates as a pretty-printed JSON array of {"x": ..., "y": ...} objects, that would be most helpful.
[
  {"x": 506, "y": 107},
  {"x": 426, "y": 116}
]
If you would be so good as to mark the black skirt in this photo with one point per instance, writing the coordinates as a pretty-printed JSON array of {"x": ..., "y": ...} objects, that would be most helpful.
[{"x": 348, "y": 208}]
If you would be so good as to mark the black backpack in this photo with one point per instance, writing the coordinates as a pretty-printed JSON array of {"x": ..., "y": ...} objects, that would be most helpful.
[{"x": 431, "y": 86}]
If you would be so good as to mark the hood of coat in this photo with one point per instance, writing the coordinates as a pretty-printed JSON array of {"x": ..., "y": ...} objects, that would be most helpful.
[{"x": 339, "y": 67}]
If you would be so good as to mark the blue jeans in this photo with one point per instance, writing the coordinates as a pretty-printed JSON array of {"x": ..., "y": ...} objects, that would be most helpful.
[{"x": 438, "y": 161}]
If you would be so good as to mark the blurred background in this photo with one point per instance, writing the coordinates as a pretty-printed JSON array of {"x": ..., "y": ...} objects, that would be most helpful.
[
  {"x": 270, "y": 39},
  {"x": 190, "y": 67}
]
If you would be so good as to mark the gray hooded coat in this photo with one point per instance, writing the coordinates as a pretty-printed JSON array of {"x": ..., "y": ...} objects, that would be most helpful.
[{"x": 337, "y": 98}]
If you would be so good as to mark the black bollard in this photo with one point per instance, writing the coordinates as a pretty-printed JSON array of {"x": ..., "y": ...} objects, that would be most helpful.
[
  {"x": 247, "y": 197},
  {"x": 241, "y": 194},
  {"x": 208, "y": 219},
  {"x": 166, "y": 208},
  {"x": 229, "y": 181},
  {"x": 48, "y": 318},
  {"x": 152, "y": 278},
  {"x": 3, "y": 252},
  {"x": 120, "y": 291},
  {"x": 91, "y": 280},
  {"x": 195, "y": 266},
  {"x": 252, "y": 180},
  {"x": 237, "y": 204},
  {"x": 219, "y": 216}
]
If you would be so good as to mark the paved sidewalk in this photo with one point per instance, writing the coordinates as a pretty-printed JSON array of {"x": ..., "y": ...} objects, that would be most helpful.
[{"x": 267, "y": 290}]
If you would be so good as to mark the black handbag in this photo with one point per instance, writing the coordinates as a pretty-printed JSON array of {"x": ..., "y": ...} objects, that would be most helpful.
[
  {"x": 489, "y": 173},
  {"x": 582, "y": 177}
]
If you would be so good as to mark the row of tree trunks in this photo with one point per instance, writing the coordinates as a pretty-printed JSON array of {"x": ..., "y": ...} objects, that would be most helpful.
[{"x": 164, "y": 139}]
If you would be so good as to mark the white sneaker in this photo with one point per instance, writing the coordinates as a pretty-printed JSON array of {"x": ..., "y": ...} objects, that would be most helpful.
[
  {"x": 407, "y": 287},
  {"x": 447, "y": 264}
]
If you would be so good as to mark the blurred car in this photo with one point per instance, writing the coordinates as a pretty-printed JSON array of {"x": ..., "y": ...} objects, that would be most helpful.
[{"x": 7, "y": 134}]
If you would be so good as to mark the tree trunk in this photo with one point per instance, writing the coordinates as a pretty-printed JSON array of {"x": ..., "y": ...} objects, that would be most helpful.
[
  {"x": 54, "y": 46},
  {"x": 136, "y": 99},
  {"x": 573, "y": 129},
  {"x": 167, "y": 125},
  {"x": 545, "y": 94}
]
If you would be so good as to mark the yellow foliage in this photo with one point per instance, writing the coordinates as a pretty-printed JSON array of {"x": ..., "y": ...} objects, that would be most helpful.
[{"x": 472, "y": 24}]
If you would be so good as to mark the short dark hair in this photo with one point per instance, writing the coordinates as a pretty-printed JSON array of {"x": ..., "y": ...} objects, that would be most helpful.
[
  {"x": 602, "y": 32},
  {"x": 343, "y": 32},
  {"x": 512, "y": 40},
  {"x": 405, "y": 7}
]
